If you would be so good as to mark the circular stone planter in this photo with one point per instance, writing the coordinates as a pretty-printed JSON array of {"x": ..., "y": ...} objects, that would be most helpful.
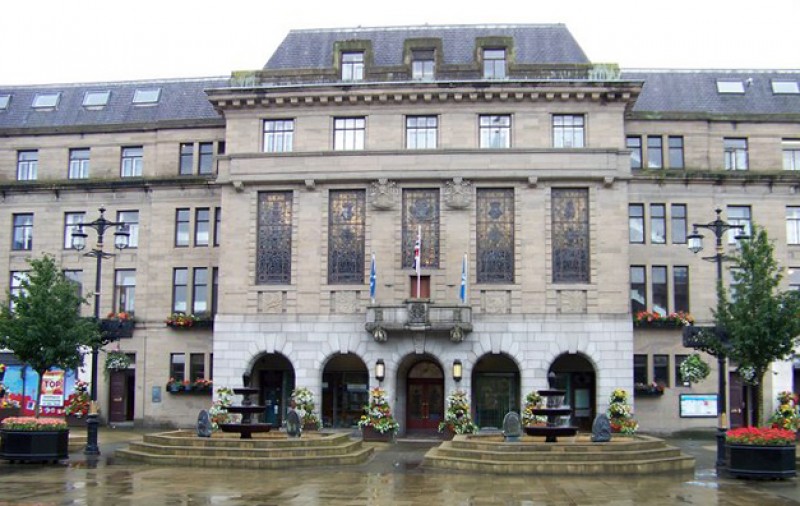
[
  {"x": 38, "y": 446},
  {"x": 766, "y": 462}
]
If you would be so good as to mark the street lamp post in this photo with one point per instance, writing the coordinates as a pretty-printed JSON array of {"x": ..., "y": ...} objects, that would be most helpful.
[
  {"x": 718, "y": 227},
  {"x": 100, "y": 225}
]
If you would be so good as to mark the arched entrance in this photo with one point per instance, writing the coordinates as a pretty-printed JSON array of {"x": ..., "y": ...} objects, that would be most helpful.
[
  {"x": 575, "y": 374},
  {"x": 425, "y": 397},
  {"x": 273, "y": 375},
  {"x": 495, "y": 389},
  {"x": 345, "y": 392}
]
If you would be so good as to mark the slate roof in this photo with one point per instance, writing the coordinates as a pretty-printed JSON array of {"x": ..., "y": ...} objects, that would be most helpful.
[
  {"x": 533, "y": 44},
  {"x": 181, "y": 100},
  {"x": 694, "y": 93}
]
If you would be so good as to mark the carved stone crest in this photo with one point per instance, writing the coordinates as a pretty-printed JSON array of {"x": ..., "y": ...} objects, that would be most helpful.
[
  {"x": 458, "y": 194},
  {"x": 383, "y": 194}
]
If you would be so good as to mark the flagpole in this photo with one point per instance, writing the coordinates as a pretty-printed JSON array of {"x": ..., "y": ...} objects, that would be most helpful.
[
  {"x": 373, "y": 280},
  {"x": 419, "y": 257}
]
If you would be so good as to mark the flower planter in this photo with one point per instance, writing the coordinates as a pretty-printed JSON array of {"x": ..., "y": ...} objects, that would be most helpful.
[
  {"x": 310, "y": 427},
  {"x": 36, "y": 446},
  {"x": 76, "y": 421},
  {"x": 116, "y": 329},
  {"x": 448, "y": 434},
  {"x": 6, "y": 412},
  {"x": 195, "y": 325},
  {"x": 648, "y": 392},
  {"x": 769, "y": 462},
  {"x": 372, "y": 435}
]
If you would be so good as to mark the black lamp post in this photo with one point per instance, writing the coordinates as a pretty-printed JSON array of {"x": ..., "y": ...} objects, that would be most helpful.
[
  {"x": 121, "y": 235},
  {"x": 718, "y": 227}
]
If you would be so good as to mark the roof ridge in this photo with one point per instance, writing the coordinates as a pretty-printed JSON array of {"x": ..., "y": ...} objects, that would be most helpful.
[
  {"x": 711, "y": 71},
  {"x": 425, "y": 27},
  {"x": 116, "y": 83}
]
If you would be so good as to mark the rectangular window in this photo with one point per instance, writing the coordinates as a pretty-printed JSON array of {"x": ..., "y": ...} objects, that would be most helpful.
[
  {"x": 793, "y": 225},
  {"x": 638, "y": 289},
  {"x": 23, "y": 232},
  {"x": 202, "y": 226},
  {"x": 634, "y": 143},
  {"x": 730, "y": 86},
  {"x": 349, "y": 133},
  {"x": 180, "y": 290},
  {"x": 570, "y": 235},
  {"x": 96, "y": 99},
  {"x": 494, "y": 63},
  {"x": 421, "y": 214},
  {"x": 177, "y": 366},
  {"x": 661, "y": 369},
  {"x": 679, "y": 223},
  {"x": 131, "y": 219},
  {"x": 146, "y": 96},
  {"x": 346, "y": 232},
  {"x": 678, "y": 361},
  {"x": 675, "y": 152},
  {"x": 132, "y": 161},
  {"x": 197, "y": 366},
  {"x": 422, "y": 64},
  {"x": 200, "y": 291},
  {"x": 739, "y": 215},
  {"x": 27, "y": 165},
  {"x": 46, "y": 100},
  {"x": 78, "y": 163},
  {"x": 421, "y": 132},
  {"x": 658, "y": 224},
  {"x": 495, "y": 131},
  {"x": 495, "y": 235},
  {"x": 214, "y": 290},
  {"x": 735, "y": 276},
  {"x": 353, "y": 66},
  {"x": 655, "y": 152},
  {"x": 217, "y": 224},
  {"x": 735, "y": 154},
  {"x": 5, "y": 100},
  {"x": 785, "y": 87},
  {"x": 640, "y": 372},
  {"x": 636, "y": 223},
  {"x": 15, "y": 285},
  {"x": 568, "y": 131},
  {"x": 274, "y": 247},
  {"x": 72, "y": 223},
  {"x": 794, "y": 278},
  {"x": 680, "y": 288},
  {"x": 76, "y": 277},
  {"x": 206, "y": 162},
  {"x": 660, "y": 291},
  {"x": 791, "y": 154},
  {"x": 125, "y": 290},
  {"x": 278, "y": 135},
  {"x": 186, "y": 166},
  {"x": 182, "y": 231}
]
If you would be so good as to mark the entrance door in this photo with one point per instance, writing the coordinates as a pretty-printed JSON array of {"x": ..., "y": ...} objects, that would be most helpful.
[
  {"x": 121, "y": 395},
  {"x": 425, "y": 403},
  {"x": 737, "y": 401},
  {"x": 275, "y": 400}
]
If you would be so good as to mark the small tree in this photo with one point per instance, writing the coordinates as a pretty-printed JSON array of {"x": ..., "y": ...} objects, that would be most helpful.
[
  {"x": 41, "y": 323},
  {"x": 761, "y": 322}
]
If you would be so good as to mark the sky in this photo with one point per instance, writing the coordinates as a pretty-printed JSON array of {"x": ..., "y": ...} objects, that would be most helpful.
[{"x": 57, "y": 41}]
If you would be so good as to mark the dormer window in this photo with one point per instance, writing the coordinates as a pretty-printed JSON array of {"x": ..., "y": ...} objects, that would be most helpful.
[
  {"x": 353, "y": 66},
  {"x": 730, "y": 86},
  {"x": 146, "y": 96},
  {"x": 4, "y": 101},
  {"x": 494, "y": 63},
  {"x": 422, "y": 65},
  {"x": 96, "y": 98},
  {"x": 46, "y": 100},
  {"x": 785, "y": 88}
]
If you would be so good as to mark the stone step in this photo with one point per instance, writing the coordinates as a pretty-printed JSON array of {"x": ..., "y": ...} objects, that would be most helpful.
[
  {"x": 245, "y": 452},
  {"x": 268, "y": 440},
  {"x": 552, "y": 456},
  {"x": 357, "y": 456},
  {"x": 579, "y": 445}
]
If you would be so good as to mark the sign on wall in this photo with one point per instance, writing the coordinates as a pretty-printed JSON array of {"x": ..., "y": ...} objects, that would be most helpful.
[{"x": 698, "y": 405}]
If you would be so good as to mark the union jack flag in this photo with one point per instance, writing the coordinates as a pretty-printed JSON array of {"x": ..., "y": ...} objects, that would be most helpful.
[{"x": 417, "y": 248}]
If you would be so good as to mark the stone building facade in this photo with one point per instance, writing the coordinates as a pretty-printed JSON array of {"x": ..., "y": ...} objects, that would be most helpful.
[{"x": 561, "y": 191}]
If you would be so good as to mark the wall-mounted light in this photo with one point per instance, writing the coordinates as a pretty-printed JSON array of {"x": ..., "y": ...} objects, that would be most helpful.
[
  {"x": 457, "y": 370},
  {"x": 380, "y": 370}
]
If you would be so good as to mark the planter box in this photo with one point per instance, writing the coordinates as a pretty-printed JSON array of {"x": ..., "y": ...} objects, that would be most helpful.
[
  {"x": 36, "y": 446},
  {"x": 116, "y": 329},
  {"x": 6, "y": 412},
  {"x": 370, "y": 434},
  {"x": 196, "y": 325},
  {"x": 746, "y": 461}
]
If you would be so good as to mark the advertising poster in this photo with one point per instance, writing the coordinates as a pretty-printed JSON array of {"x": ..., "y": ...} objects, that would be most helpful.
[{"x": 53, "y": 389}]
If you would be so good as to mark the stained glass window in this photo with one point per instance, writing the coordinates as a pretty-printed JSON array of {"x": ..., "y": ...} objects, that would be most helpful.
[
  {"x": 346, "y": 236},
  {"x": 421, "y": 212},
  {"x": 495, "y": 241},
  {"x": 570, "y": 235},
  {"x": 274, "y": 254}
]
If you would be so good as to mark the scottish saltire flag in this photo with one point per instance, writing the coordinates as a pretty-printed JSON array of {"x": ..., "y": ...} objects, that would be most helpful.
[
  {"x": 373, "y": 279},
  {"x": 464, "y": 277},
  {"x": 417, "y": 247}
]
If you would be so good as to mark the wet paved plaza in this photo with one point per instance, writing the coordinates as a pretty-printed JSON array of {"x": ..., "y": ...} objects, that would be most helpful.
[{"x": 392, "y": 477}]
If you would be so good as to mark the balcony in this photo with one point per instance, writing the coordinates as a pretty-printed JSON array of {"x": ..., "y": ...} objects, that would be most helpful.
[{"x": 419, "y": 315}]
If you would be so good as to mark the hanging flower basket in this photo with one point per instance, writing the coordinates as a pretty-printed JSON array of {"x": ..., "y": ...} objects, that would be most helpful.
[
  {"x": 694, "y": 369},
  {"x": 117, "y": 361}
]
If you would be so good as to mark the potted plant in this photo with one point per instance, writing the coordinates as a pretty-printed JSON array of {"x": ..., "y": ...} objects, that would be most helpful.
[
  {"x": 620, "y": 413},
  {"x": 786, "y": 416},
  {"x": 8, "y": 408},
  {"x": 650, "y": 390},
  {"x": 117, "y": 361},
  {"x": 304, "y": 400},
  {"x": 761, "y": 452},
  {"x": 694, "y": 369},
  {"x": 532, "y": 401},
  {"x": 174, "y": 386},
  {"x": 653, "y": 319},
  {"x": 202, "y": 385},
  {"x": 218, "y": 412},
  {"x": 377, "y": 422},
  {"x": 457, "y": 418},
  {"x": 77, "y": 405},
  {"x": 34, "y": 439}
]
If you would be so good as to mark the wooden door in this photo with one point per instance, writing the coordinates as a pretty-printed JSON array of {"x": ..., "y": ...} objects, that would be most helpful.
[
  {"x": 425, "y": 408},
  {"x": 117, "y": 405},
  {"x": 424, "y": 287},
  {"x": 736, "y": 400}
]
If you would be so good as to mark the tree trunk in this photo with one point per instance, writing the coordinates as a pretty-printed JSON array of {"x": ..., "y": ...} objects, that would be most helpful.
[
  {"x": 38, "y": 408},
  {"x": 758, "y": 401}
]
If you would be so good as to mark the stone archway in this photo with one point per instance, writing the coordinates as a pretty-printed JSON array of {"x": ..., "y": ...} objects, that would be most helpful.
[
  {"x": 495, "y": 389},
  {"x": 345, "y": 390},
  {"x": 273, "y": 375},
  {"x": 575, "y": 374}
]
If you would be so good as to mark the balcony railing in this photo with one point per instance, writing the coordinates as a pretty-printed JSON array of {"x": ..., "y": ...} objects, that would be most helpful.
[{"x": 419, "y": 315}]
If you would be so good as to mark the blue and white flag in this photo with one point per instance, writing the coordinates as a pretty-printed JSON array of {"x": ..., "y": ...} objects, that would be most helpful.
[
  {"x": 373, "y": 280},
  {"x": 464, "y": 278}
]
